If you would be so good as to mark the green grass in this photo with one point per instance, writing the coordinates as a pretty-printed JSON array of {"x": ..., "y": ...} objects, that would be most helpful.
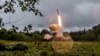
[{"x": 45, "y": 49}]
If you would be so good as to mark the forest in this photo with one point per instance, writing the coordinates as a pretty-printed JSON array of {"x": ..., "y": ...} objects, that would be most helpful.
[{"x": 25, "y": 34}]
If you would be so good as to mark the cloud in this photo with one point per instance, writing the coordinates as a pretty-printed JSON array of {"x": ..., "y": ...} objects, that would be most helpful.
[
  {"x": 83, "y": 14},
  {"x": 84, "y": 8},
  {"x": 75, "y": 14}
]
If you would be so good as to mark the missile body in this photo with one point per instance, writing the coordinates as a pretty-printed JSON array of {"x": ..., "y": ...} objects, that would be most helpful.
[{"x": 59, "y": 22}]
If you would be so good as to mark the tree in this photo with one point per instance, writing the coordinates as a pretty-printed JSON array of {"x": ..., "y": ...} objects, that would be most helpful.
[
  {"x": 96, "y": 30},
  {"x": 29, "y": 27},
  {"x": 44, "y": 31},
  {"x": 14, "y": 28},
  {"x": 1, "y": 23},
  {"x": 25, "y": 5},
  {"x": 36, "y": 32},
  {"x": 25, "y": 29},
  {"x": 98, "y": 38}
]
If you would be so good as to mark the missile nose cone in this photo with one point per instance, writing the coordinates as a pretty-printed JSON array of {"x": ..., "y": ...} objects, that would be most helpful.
[{"x": 58, "y": 11}]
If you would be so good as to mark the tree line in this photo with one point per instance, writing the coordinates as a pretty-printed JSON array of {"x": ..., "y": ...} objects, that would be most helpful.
[
  {"x": 27, "y": 35},
  {"x": 87, "y": 35}
]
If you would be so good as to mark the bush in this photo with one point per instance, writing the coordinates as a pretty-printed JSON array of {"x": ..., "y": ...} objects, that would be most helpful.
[
  {"x": 37, "y": 37},
  {"x": 43, "y": 53},
  {"x": 19, "y": 47},
  {"x": 4, "y": 36},
  {"x": 19, "y": 37},
  {"x": 98, "y": 38},
  {"x": 3, "y": 47}
]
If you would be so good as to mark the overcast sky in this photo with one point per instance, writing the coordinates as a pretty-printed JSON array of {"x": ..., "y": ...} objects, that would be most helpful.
[{"x": 76, "y": 14}]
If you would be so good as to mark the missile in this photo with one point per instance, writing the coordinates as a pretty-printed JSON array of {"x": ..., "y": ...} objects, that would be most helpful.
[{"x": 58, "y": 11}]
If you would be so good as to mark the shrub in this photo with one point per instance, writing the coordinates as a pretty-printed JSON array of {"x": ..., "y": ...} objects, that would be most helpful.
[
  {"x": 98, "y": 38},
  {"x": 37, "y": 37},
  {"x": 4, "y": 36},
  {"x": 43, "y": 53},
  {"x": 3, "y": 47},
  {"x": 19, "y": 47},
  {"x": 19, "y": 37}
]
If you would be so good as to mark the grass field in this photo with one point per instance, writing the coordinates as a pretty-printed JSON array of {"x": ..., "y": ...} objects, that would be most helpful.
[{"x": 45, "y": 49}]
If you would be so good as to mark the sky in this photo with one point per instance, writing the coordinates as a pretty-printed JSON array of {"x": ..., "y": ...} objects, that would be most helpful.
[{"x": 76, "y": 15}]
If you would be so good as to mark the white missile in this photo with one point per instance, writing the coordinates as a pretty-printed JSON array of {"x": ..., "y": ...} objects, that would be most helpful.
[{"x": 58, "y": 11}]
